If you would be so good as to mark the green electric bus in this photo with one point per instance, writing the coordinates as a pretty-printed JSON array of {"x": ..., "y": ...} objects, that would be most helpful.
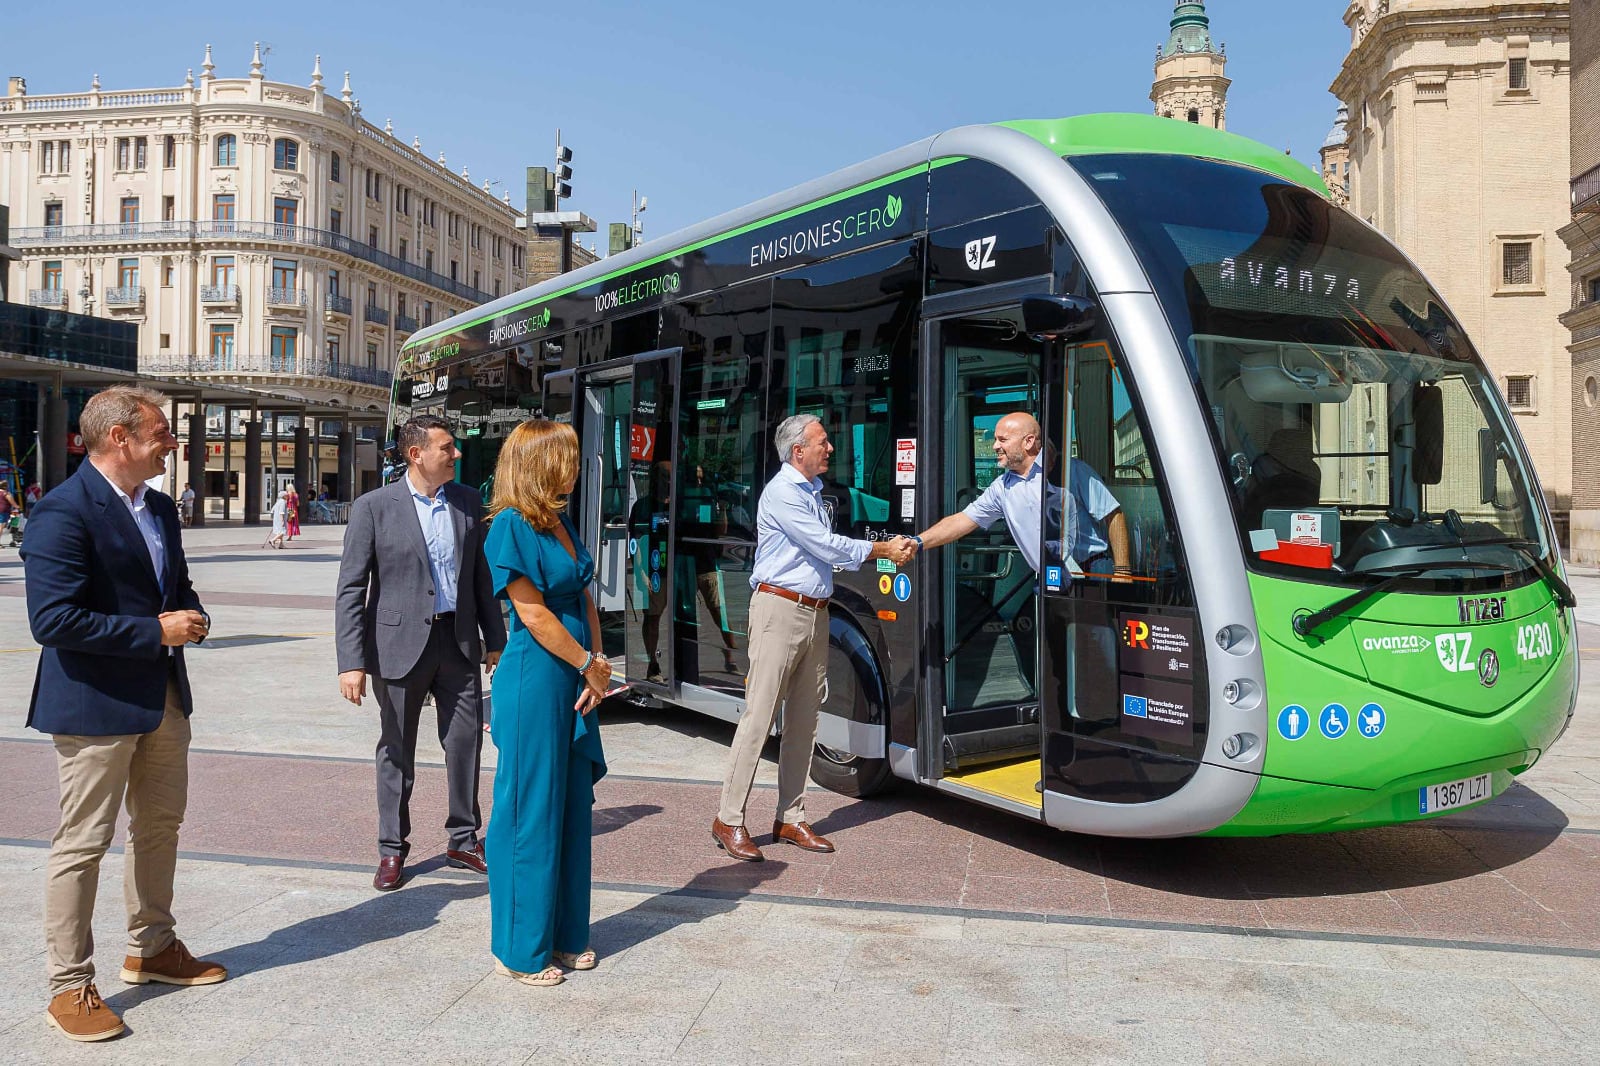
[{"x": 1342, "y": 603}]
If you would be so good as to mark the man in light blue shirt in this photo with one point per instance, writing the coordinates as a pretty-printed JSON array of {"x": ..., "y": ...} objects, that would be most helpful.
[{"x": 796, "y": 554}]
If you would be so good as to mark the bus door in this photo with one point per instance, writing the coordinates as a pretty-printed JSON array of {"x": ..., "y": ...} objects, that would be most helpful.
[
  {"x": 986, "y": 615},
  {"x": 626, "y": 432}
]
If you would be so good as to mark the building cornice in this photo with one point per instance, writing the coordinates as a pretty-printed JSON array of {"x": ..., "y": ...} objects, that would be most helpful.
[{"x": 1392, "y": 29}]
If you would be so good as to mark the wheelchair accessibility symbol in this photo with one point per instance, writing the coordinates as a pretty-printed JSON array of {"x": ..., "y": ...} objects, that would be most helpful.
[{"x": 1335, "y": 721}]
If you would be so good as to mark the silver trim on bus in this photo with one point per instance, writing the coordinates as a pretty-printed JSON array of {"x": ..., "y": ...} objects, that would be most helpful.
[
  {"x": 988, "y": 799},
  {"x": 854, "y": 738},
  {"x": 903, "y": 761},
  {"x": 709, "y": 701}
]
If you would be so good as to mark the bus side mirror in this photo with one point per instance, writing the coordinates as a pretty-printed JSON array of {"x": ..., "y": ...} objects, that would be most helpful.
[
  {"x": 1058, "y": 317},
  {"x": 1427, "y": 414},
  {"x": 1488, "y": 466}
]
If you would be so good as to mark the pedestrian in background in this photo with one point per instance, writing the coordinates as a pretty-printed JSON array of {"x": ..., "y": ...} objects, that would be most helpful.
[
  {"x": 280, "y": 521},
  {"x": 545, "y": 691},
  {"x": 796, "y": 552},
  {"x": 292, "y": 513},
  {"x": 186, "y": 500},
  {"x": 109, "y": 598},
  {"x": 415, "y": 609}
]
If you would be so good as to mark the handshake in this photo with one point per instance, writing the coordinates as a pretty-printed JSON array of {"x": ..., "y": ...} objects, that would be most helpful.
[{"x": 899, "y": 550}]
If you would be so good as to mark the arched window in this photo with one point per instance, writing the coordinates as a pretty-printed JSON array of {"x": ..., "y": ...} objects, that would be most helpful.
[
  {"x": 333, "y": 168},
  {"x": 227, "y": 150},
  {"x": 1194, "y": 116},
  {"x": 286, "y": 154}
]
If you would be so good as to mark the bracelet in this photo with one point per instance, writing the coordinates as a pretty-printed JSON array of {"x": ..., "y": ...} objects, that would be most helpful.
[{"x": 584, "y": 669}]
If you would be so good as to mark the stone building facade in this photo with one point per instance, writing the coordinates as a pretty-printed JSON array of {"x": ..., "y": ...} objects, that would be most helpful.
[
  {"x": 1190, "y": 80},
  {"x": 259, "y": 233},
  {"x": 1456, "y": 109},
  {"x": 1582, "y": 237}
]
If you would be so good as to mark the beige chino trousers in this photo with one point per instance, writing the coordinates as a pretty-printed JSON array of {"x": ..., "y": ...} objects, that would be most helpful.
[
  {"x": 788, "y": 665},
  {"x": 150, "y": 770}
]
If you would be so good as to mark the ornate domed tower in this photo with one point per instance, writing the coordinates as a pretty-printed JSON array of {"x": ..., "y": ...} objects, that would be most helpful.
[{"x": 1190, "y": 83}]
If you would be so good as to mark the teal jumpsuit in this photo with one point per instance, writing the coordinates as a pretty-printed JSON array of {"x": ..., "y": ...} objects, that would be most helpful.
[{"x": 537, "y": 843}]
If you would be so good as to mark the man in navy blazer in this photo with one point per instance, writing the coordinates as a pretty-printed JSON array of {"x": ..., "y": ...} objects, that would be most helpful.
[{"x": 110, "y": 600}]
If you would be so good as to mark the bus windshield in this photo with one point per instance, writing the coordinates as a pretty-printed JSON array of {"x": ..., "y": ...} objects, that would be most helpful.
[{"x": 1360, "y": 432}]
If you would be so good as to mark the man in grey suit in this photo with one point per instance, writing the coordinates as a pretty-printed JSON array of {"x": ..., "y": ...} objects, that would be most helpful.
[{"x": 416, "y": 610}]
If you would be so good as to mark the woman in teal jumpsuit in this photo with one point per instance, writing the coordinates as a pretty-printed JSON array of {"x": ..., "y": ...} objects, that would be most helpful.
[{"x": 545, "y": 689}]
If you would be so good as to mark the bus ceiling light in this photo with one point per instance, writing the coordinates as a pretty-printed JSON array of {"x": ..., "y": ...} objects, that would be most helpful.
[{"x": 1236, "y": 639}]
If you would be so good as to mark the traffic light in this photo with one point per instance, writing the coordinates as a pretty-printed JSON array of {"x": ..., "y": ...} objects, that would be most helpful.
[
  {"x": 563, "y": 173},
  {"x": 621, "y": 237}
]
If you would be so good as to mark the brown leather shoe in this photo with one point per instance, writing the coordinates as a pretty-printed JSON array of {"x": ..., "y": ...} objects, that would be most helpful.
[
  {"x": 387, "y": 879},
  {"x": 801, "y": 835},
  {"x": 736, "y": 841},
  {"x": 174, "y": 966},
  {"x": 471, "y": 859},
  {"x": 81, "y": 1014}
]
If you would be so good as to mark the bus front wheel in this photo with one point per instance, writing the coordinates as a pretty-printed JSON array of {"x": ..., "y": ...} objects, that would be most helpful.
[{"x": 849, "y": 697}]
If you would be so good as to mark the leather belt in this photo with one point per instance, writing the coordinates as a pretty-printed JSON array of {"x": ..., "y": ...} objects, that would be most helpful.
[
  {"x": 793, "y": 597},
  {"x": 443, "y": 615}
]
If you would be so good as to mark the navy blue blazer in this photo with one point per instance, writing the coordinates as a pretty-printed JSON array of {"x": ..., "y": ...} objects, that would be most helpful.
[{"x": 93, "y": 599}]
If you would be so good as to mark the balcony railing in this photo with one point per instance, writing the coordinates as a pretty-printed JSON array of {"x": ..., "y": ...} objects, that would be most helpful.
[
  {"x": 380, "y": 315},
  {"x": 339, "y": 305},
  {"x": 125, "y": 296},
  {"x": 1586, "y": 193},
  {"x": 234, "y": 363},
  {"x": 47, "y": 297},
  {"x": 286, "y": 297},
  {"x": 405, "y": 324},
  {"x": 226, "y": 230},
  {"x": 219, "y": 294}
]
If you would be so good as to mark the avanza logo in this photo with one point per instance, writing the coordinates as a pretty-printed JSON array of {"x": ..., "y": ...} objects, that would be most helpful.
[
  {"x": 1398, "y": 643},
  {"x": 1481, "y": 609}
]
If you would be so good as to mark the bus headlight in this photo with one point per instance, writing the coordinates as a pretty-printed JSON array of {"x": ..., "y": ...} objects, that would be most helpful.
[
  {"x": 1238, "y": 745},
  {"x": 1237, "y": 639},
  {"x": 1239, "y": 691}
]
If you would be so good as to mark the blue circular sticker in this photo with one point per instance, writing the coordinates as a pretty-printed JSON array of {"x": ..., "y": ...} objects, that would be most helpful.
[
  {"x": 1371, "y": 720},
  {"x": 1293, "y": 722},
  {"x": 1335, "y": 721},
  {"x": 902, "y": 587},
  {"x": 655, "y": 559},
  {"x": 633, "y": 545},
  {"x": 655, "y": 582}
]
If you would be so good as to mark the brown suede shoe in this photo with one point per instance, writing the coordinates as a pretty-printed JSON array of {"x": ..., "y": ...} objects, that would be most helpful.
[
  {"x": 174, "y": 966},
  {"x": 801, "y": 835},
  {"x": 735, "y": 840},
  {"x": 81, "y": 1014}
]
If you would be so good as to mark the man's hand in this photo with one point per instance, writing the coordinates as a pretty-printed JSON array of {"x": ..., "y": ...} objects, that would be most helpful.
[
  {"x": 491, "y": 659},
  {"x": 901, "y": 550},
  {"x": 180, "y": 627},
  {"x": 353, "y": 685}
]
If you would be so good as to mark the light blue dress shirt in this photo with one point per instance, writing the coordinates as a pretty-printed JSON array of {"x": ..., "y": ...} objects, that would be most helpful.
[
  {"x": 439, "y": 530},
  {"x": 1019, "y": 499},
  {"x": 795, "y": 548}
]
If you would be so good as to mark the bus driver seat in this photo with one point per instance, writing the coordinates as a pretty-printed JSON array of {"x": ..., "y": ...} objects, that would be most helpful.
[{"x": 1285, "y": 475}]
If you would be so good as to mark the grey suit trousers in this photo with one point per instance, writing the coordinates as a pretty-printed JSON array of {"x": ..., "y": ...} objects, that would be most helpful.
[{"x": 457, "y": 689}]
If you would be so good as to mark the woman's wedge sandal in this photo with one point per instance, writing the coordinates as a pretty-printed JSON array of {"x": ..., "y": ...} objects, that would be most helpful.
[
  {"x": 545, "y": 978},
  {"x": 583, "y": 960}
]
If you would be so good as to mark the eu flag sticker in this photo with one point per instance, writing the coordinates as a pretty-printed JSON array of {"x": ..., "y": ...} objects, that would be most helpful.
[{"x": 1136, "y": 706}]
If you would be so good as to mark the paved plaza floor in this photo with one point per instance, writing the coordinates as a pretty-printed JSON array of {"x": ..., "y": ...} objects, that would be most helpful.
[{"x": 939, "y": 932}]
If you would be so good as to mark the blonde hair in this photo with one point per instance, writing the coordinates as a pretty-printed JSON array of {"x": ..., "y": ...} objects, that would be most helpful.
[
  {"x": 120, "y": 405},
  {"x": 537, "y": 463}
]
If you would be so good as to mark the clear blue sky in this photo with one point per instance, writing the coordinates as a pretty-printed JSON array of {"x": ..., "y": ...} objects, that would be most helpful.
[{"x": 702, "y": 106}]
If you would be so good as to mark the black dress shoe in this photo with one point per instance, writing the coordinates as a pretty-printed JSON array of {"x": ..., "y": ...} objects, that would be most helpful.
[
  {"x": 388, "y": 877},
  {"x": 471, "y": 859}
]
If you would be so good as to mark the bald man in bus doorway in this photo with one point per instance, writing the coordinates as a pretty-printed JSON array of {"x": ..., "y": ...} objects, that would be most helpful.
[
  {"x": 796, "y": 552},
  {"x": 1020, "y": 497}
]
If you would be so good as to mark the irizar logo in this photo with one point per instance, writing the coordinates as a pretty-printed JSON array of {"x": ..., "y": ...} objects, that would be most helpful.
[
  {"x": 1398, "y": 643},
  {"x": 1455, "y": 652}
]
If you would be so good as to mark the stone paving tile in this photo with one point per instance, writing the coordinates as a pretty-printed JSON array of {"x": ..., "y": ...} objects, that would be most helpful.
[
  {"x": 1028, "y": 1036},
  {"x": 758, "y": 1024},
  {"x": 954, "y": 970}
]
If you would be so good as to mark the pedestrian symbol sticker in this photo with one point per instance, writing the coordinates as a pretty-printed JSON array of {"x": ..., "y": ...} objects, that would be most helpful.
[
  {"x": 902, "y": 587},
  {"x": 1293, "y": 721},
  {"x": 1371, "y": 720},
  {"x": 885, "y": 584},
  {"x": 1335, "y": 721}
]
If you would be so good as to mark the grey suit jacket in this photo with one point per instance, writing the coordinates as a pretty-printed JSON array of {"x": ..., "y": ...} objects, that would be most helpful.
[{"x": 383, "y": 610}]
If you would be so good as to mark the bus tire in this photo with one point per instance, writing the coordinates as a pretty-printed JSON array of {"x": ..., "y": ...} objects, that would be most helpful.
[{"x": 852, "y": 684}]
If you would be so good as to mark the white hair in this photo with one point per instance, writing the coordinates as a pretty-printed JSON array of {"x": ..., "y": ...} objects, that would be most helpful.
[{"x": 792, "y": 432}]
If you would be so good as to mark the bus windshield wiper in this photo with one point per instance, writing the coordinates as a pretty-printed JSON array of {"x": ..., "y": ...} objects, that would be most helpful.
[
  {"x": 1307, "y": 624},
  {"x": 1564, "y": 594}
]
